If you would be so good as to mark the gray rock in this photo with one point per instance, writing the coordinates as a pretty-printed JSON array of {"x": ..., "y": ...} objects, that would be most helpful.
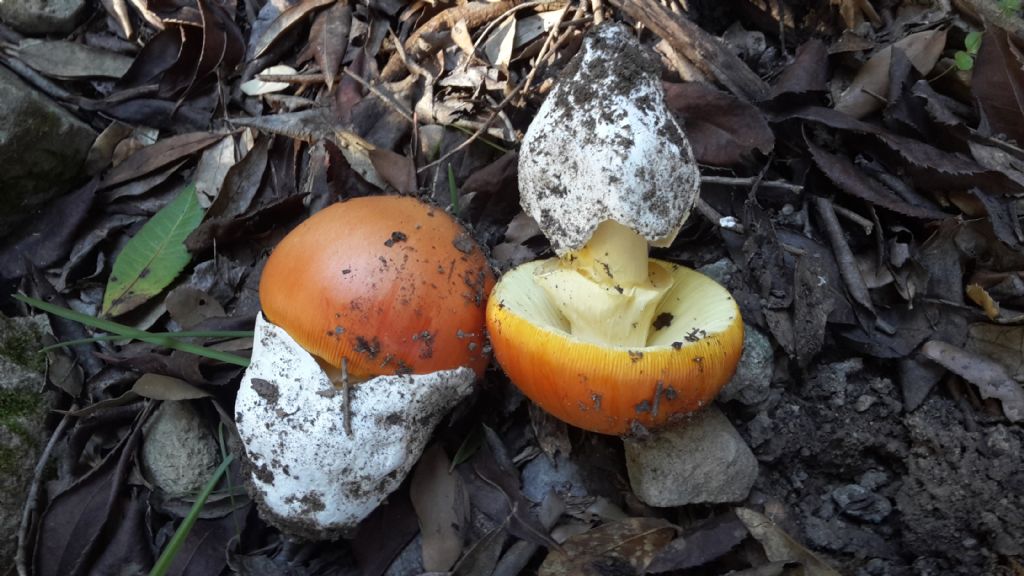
[
  {"x": 859, "y": 502},
  {"x": 42, "y": 148},
  {"x": 721, "y": 271},
  {"x": 42, "y": 16},
  {"x": 702, "y": 460},
  {"x": 753, "y": 375},
  {"x": 23, "y": 410},
  {"x": 179, "y": 452}
]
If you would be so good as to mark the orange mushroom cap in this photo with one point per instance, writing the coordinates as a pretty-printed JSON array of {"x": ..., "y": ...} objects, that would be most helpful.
[
  {"x": 692, "y": 352},
  {"x": 393, "y": 285}
]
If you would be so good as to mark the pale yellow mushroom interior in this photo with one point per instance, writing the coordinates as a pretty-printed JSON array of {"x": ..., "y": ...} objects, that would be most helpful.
[{"x": 697, "y": 305}]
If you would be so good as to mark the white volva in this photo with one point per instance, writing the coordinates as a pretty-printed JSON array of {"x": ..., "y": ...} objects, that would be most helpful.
[{"x": 309, "y": 477}]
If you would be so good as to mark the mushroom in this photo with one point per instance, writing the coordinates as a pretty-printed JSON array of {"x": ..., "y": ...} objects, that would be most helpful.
[
  {"x": 386, "y": 293},
  {"x": 605, "y": 337}
]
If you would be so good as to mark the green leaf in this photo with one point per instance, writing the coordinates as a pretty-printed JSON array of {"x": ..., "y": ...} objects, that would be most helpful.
[
  {"x": 155, "y": 256},
  {"x": 972, "y": 42},
  {"x": 964, "y": 61},
  {"x": 1010, "y": 6}
]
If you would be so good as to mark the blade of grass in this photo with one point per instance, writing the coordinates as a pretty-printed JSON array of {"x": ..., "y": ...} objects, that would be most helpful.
[
  {"x": 163, "y": 563},
  {"x": 135, "y": 333},
  {"x": 182, "y": 334}
]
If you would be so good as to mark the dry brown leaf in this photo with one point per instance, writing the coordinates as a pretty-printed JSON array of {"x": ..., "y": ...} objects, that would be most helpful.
[
  {"x": 498, "y": 47},
  {"x": 212, "y": 168},
  {"x": 328, "y": 39},
  {"x": 871, "y": 84},
  {"x": 396, "y": 169},
  {"x": 285, "y": 21},
  {"x": 780, "y": 546},
  {"x": 442, "y": 506},
  {"x": 158, "y": 155},
  {"x": 989, "y": 376},
  {"x": 628, "y": 545},
  {"x": 998, "y": 83},
  {"x": 1004, "y": 344}
]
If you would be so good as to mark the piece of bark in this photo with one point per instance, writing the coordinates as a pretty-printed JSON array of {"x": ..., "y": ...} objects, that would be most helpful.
[{"x": 706, "y": 52}]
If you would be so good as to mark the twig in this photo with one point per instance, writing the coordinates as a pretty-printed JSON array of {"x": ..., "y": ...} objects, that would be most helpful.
[
  {"x": 302, "y": 79},
  {"x": 852, "y": 216},
  {"x": 31, "y": 499},
  {"x": 483, "y": 128},
  {"x": 844, "y": 256},
  {"x": 346, "y": 397},
  {"x": 707, "y": 211},
  {"x": 750, "y": 181}
]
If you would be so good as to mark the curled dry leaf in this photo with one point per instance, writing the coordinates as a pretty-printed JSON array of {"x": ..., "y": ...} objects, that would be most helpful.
[
  {"x": 257, "y": 87},
  {"x": 722, "y": 129},
  {"x": 990, "y": 377},
  {"x": 442, "y": 506},
  {"x": 871, "y": 84}
]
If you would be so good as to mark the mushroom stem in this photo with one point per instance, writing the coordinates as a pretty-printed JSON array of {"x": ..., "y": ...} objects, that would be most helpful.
[
  {"x": 614, "y": 254},
  {"x": 608, "y": 291}
]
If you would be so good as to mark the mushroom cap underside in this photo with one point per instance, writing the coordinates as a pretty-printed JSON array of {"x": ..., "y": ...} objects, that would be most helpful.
[{"x": 692, "y": 352}]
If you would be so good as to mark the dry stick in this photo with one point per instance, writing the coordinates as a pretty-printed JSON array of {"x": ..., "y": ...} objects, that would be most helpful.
[
  {"x": 303, "y": 79},
  {"x": 707, "y": 211},
  {"x": 21, "y": 556},
  {"x": 857, "y": 219},
  {"x": 750, "y": 181},
  {"x": 844, "y": 256},
  {"x": 346, "y": 397},
  {"x": 705, "y": 51}
]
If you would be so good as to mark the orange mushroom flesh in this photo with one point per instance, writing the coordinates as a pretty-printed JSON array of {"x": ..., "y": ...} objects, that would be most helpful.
[
  {"x": 387, "y": 283},
  {"x": 692, "y": 347}
]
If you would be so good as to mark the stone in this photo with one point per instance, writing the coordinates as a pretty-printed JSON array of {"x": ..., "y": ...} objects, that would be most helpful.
[
  {"x": 750, "y": 385},
  {"x": 42, "y": 149},
  {"x": 179, "y": 452},
  {"x": 38, "y": 17},
  {"x": 23, "y": 410},
  {"x": 702, "y": 460}
]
